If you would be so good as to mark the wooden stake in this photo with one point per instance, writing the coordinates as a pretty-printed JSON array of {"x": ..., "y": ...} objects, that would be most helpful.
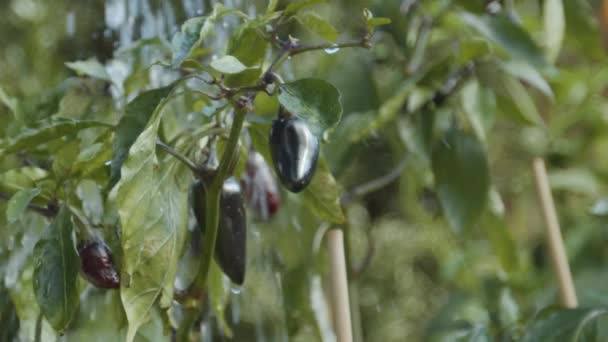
[
  {"x": 557, "y": 251},
  {"x": 339, "y": 285}
]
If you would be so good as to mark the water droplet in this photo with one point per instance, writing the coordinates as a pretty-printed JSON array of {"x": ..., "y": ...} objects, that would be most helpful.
[
  {"x": 236, "y": 289},
  {"x": 332, "y": 50}
]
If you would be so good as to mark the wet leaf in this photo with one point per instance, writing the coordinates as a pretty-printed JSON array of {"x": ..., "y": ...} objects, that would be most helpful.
[
  {"x": 44, "y": 131},
  {"x": 90, "y": 67},
  {"x": 152, "y": 203},
  {"x": 555, "y": 27},
  {"x": 19, "y": 202},
  {"x": 56, "y": 266},
  {"x": 322, "y": 195},
  {"x": 557, "y": 325},
  {"x": 462, "y": 178},
  {"x": 508, "y": 35},
  {"x": 228, "y": 65},
  {"x": 136, "y": 116},
  {"x": 313, "y": 100},
  {"x": 318, "y": 26}
]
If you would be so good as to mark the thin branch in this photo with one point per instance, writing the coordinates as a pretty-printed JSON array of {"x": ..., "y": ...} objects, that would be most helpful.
[
  {"x": 190, "y": 164},
  {"x": 47, "y": 211},
  {"x": 369, "y": 253},
  {"x": 363, "y": 43},
  {"x": 451, "y": 85},
  {"x": 374, "y": 184}
]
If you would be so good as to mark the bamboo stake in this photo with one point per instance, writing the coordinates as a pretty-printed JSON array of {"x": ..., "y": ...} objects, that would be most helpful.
[
  {"x": 339, "y": 285},
  {"x": 557, "y": 251}
]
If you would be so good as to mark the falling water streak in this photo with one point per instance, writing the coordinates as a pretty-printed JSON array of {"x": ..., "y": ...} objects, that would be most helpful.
[
  {"x": 279, "y": 283},
  {"x": 320, "y": 307},
  {"x": 70, "y": 23}
]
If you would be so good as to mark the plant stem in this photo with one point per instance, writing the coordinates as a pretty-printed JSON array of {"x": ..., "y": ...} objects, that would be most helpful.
[
  {"x": 38, "y": 332},
  {"x": 178, "y": 156},
  {"x": 213, "y": 196},
  {"x": 181, "y": 335}
]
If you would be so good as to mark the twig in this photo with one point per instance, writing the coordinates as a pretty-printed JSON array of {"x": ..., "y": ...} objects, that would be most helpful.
[
  {"x": 191, "y": 165},
  {"x": 452, "y": 83},
  {"x": 48, "y": 211},
  {"x": 557, "y": 251},
  {"x": 339, "y": 285},
  {"x": 374, "y": 184},
  {"x": 298, "y": 49},
  {"x": 355, "y": 272}
]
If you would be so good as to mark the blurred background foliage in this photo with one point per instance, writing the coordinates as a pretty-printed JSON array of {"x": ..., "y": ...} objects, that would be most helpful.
[{"x": 414, "y": 277}]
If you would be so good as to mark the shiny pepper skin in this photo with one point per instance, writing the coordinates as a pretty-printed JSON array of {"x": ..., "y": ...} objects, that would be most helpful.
[
  {"x": 295, "y": 152},
  {"x": 231, "y": 242},
  {"x": 261, "y": 189},
  {"x": 97, "y": 266}
]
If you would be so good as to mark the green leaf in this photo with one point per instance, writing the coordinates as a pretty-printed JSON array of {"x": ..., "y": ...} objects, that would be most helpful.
[
  {"x": 318, "y": 26},
  {"x": 272, "y": 6},
  {"x": 388, "y": 111},
  {"x": 219, "y": 295},
  {"x": 462, "y": 178},
  {"x": 555, "y": 27},
  {"x": 297, "y": 5},
  {"x": 133, "y": 122},
  {"x": 527, "y": 73},
  {"x": 373, "y": 22},
  {"x": 195, "y": 30},
  {"x": 249, "y": 47},
  {"x": 558, "y": 325},
  {"x": 322, "y": 195},
  {"x": 511, "y": 37},
  {"x": 522, "y": 100},
  {"x": 479, "y": 105},
  {"x": 64, "y": 160},
  {"x": 10, "y": 102},
  {"x": 22, "y": 178},
  {"x": 313, "y": 100},
  {"x": 228, "y": 65},
  {"x": 575, "y": 180},
  {"x": 461, "y": 332},
  {"x": 56, "y": 266},
  {"x": 501, "y": 240},
  {"x": 151, "y": 199},
  {"x": 45, "y": 131},
  {"x": 90, "y": 67},
  {"x": 92, "y": 158},
  {"x": 19, "y": 202},
  {"x": 190, "y": 35}
]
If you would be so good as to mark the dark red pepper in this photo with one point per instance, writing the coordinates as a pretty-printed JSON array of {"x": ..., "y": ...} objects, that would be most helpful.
[
  {"x": 261, "y": 189},
  {"x": 97, "y": 266}
]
